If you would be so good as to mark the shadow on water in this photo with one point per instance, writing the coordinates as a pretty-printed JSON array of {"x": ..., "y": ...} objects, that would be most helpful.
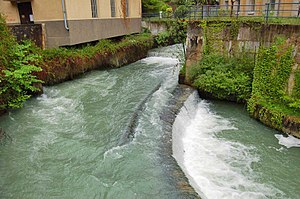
[
  {"x": 4, "y": 137},
  {"x": 130, "y": 130}
]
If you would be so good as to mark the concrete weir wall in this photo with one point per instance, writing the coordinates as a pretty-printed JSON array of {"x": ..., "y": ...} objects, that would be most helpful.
[{"x": 233, "y": 38}]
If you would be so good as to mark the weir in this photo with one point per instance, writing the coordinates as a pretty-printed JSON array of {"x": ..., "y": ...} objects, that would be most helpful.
[{"x": 225, "y": 154}]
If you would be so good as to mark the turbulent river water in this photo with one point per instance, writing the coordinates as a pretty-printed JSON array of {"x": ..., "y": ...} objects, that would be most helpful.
[{"x": 104, "y": 135}]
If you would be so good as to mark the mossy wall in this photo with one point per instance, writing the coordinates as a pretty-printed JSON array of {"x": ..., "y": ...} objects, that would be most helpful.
[
  {"x": 275, "y": 49},
  {"x": 233, "y": 37},
  {"x": 67, "y": 64}
]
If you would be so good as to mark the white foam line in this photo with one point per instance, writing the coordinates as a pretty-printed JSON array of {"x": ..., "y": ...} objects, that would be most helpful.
[
  {"x": 288, "y": 141},
  {"x": 216, "y": 168}
]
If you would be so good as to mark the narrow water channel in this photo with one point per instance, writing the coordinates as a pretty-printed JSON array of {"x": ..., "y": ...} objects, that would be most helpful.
[{"x": 103, "y": 135}]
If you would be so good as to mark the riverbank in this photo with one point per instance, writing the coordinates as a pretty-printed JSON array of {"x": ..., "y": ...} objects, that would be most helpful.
[
  {"x": 26, "y": 68},
  {"x": 251, "y": 63},
  {"x": 62, "y": 64}
]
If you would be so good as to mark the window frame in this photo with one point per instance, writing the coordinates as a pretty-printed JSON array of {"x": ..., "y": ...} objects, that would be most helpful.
[{"x": 94, "y": 8}]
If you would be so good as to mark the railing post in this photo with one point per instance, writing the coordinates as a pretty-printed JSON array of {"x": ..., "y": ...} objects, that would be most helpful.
[
  {"x": 238, "y": 9},
  {"x": 267, "y": 10}
]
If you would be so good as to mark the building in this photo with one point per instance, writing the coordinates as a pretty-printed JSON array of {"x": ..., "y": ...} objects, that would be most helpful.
[
  {"x": 280, "y": 8},
  {"x": 71, "y": 22}
]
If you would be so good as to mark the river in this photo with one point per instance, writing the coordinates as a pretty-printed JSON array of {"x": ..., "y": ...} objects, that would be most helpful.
[
  {"x": 104, "y": 135},
  {"x": 226, "y": 154}
]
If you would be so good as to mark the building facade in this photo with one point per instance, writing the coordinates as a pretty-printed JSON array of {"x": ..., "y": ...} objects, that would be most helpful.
[
  {"x": 280, "y": 8},
  {"x": 71, "y": 22}
]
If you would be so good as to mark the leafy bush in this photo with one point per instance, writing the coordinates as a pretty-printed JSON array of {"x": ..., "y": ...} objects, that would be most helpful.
[
  {"x": 7, "y": 43},
  {"x": 175, "y": 33},
  {"x": 17, "y": 64},
  {"x": 181, "y": 11},
  {"x": 150, "y": 6},
  {"x": 163, "y": 38},
  {"x": 223, "y": 77}
]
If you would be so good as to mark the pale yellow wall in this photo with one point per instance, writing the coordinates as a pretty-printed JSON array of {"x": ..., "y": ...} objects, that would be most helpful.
[
  {"x": 104, "y": 10},
  {"x": 285, "y": 9},
  {"x": 51, "y": 10},
  {"x": 10, "y": 11},
  {"x": 79, "y": 9},
  {"x": 45, "y": 10},
  {"x": 118, "y": 9},
  {"x": 135, "y": 8}
]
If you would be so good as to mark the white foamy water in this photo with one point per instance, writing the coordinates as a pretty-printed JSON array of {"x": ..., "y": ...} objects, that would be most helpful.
[
  {"x": 288, "y": 141},
  {"x": 160, "y": 61},
  {"x": 216, "y": 168}
]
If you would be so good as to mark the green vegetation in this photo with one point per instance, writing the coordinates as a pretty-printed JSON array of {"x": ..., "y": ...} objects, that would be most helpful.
[
  {"x": 154, "y": 6},
  {"x": 223, "y": 77},
  {"x": 221, "y": 74},
  {"x": 104, "y": 46},
  {"x": 176, "y": 8},
  {"x": 65, "y": 63},
  {"x": 271, "y": 75},
  {"x": 268, "y": 80},
  {"x": 18, "y": 64},
  {"x": 176, "y": 33}
]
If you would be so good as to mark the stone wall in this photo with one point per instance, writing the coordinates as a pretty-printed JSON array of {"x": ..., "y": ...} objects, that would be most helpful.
[
  {"x": 33, "y": 32},
  {"x": 247, "y": 36},
  {"x": 154, "y": 27}
]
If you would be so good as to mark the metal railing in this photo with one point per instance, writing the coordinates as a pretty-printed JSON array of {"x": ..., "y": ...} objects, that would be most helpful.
[{"x": 266, "y": 11}]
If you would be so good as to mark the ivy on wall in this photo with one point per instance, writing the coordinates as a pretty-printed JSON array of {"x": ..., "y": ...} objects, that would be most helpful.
[{"x": 269, "y": 87}]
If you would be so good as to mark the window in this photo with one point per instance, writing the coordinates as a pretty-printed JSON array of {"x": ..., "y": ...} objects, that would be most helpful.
[
  {"x": 94, "y": 8},
  {"x": 127, "y": 8},
  {"x": 112, "y": 8}
]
